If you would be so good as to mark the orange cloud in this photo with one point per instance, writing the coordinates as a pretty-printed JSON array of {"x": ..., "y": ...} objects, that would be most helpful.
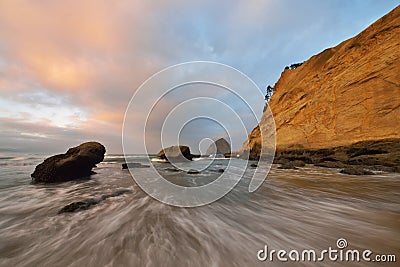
[
  {"x": 57, "y": 70},
  {"x": 58, "y": 42},
  {"x": 113, "y": 117}
]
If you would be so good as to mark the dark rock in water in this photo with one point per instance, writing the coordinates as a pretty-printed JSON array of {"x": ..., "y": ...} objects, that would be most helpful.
[
  {"x": 76, "y": 163},
  {"x": 221, "y": 146},
  {"x": 87, "y": 204},
  {"x": 381, "y": 168},
  {"x": 298, "y": 163},
  {"x": 288, "y": 166},
  {"x": 134, "y": 165},
  {"x": 218, "y": 170},
  {"x": 383, "y": 155},
  {"x": 78, "y": 206},
  {"x": 355, "y": 171},
  {"x": 172, "y": 169},
  {"x": 228, "y": 155},
  {"x": 331, "y": 164},
  {"x": 292, "y": 164},
  {"x": 193, "y": 171},
  {"x": 254, "y": 165},
  {"x": 280, "y": 160},
  {"x": 175, "y": 153}
]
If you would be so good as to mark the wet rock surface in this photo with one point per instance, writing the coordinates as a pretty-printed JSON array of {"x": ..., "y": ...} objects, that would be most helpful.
[
  {"x": 76, "y": 163},
  {"x": 134, "y": 165},
  {"x": 287, "y": 166},
  {"x": 356, "y": 171},
  {"x": 380, "y": 155},
  {"x": 89, "y": 203}
]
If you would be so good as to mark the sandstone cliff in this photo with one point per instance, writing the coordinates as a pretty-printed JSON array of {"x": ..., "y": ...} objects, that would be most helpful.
[{"x": 345, "y": 94}]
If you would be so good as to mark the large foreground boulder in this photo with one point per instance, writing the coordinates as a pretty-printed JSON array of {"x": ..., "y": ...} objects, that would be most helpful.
[
  {"x": 76, "y": 163},
  {"x": 175, "y": 153}
]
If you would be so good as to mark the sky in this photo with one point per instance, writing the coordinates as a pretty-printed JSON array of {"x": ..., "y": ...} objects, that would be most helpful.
[{"x": 68, "y": 69}]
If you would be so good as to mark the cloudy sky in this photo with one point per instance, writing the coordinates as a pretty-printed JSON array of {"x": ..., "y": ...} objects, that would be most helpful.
[{"x": 69, "y": 68}]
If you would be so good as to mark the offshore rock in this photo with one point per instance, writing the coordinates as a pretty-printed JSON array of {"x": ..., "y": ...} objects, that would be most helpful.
[{"x": 76, "y": 163}]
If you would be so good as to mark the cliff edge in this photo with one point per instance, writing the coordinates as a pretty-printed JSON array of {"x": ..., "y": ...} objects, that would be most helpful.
[{"x": 343, "y": 95}]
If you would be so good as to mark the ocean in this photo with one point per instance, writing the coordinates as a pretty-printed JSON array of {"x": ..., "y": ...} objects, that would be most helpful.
[{"x": 303, "y": 209}]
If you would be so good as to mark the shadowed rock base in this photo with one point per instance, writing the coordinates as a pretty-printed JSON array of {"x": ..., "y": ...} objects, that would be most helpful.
[{"x": 380, "y": 155}]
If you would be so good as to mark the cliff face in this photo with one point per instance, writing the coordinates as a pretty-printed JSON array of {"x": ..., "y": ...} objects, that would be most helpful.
[{"x": 343, "y": 95}]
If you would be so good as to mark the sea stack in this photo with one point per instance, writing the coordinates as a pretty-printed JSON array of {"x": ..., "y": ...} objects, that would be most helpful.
[
  {"x": 175, "y": 154},
  {"x": 221, "y": 146},
  {"x": 76, "y": 163}
]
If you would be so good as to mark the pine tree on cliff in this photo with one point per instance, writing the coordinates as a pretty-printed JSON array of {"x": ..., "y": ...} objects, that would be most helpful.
[{"x": 269, "y": 92}]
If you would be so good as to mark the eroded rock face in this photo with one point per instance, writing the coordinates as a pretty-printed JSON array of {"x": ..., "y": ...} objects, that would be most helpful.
[
  {"x": 221, "y": 146},
  {"x": 252, "y": 146},
  {"x": 76, "y": 163},
  {"x": 345, "y": 94},
  {"x": 175, "y": 153},
  {"x": 380, "y": 155}
]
